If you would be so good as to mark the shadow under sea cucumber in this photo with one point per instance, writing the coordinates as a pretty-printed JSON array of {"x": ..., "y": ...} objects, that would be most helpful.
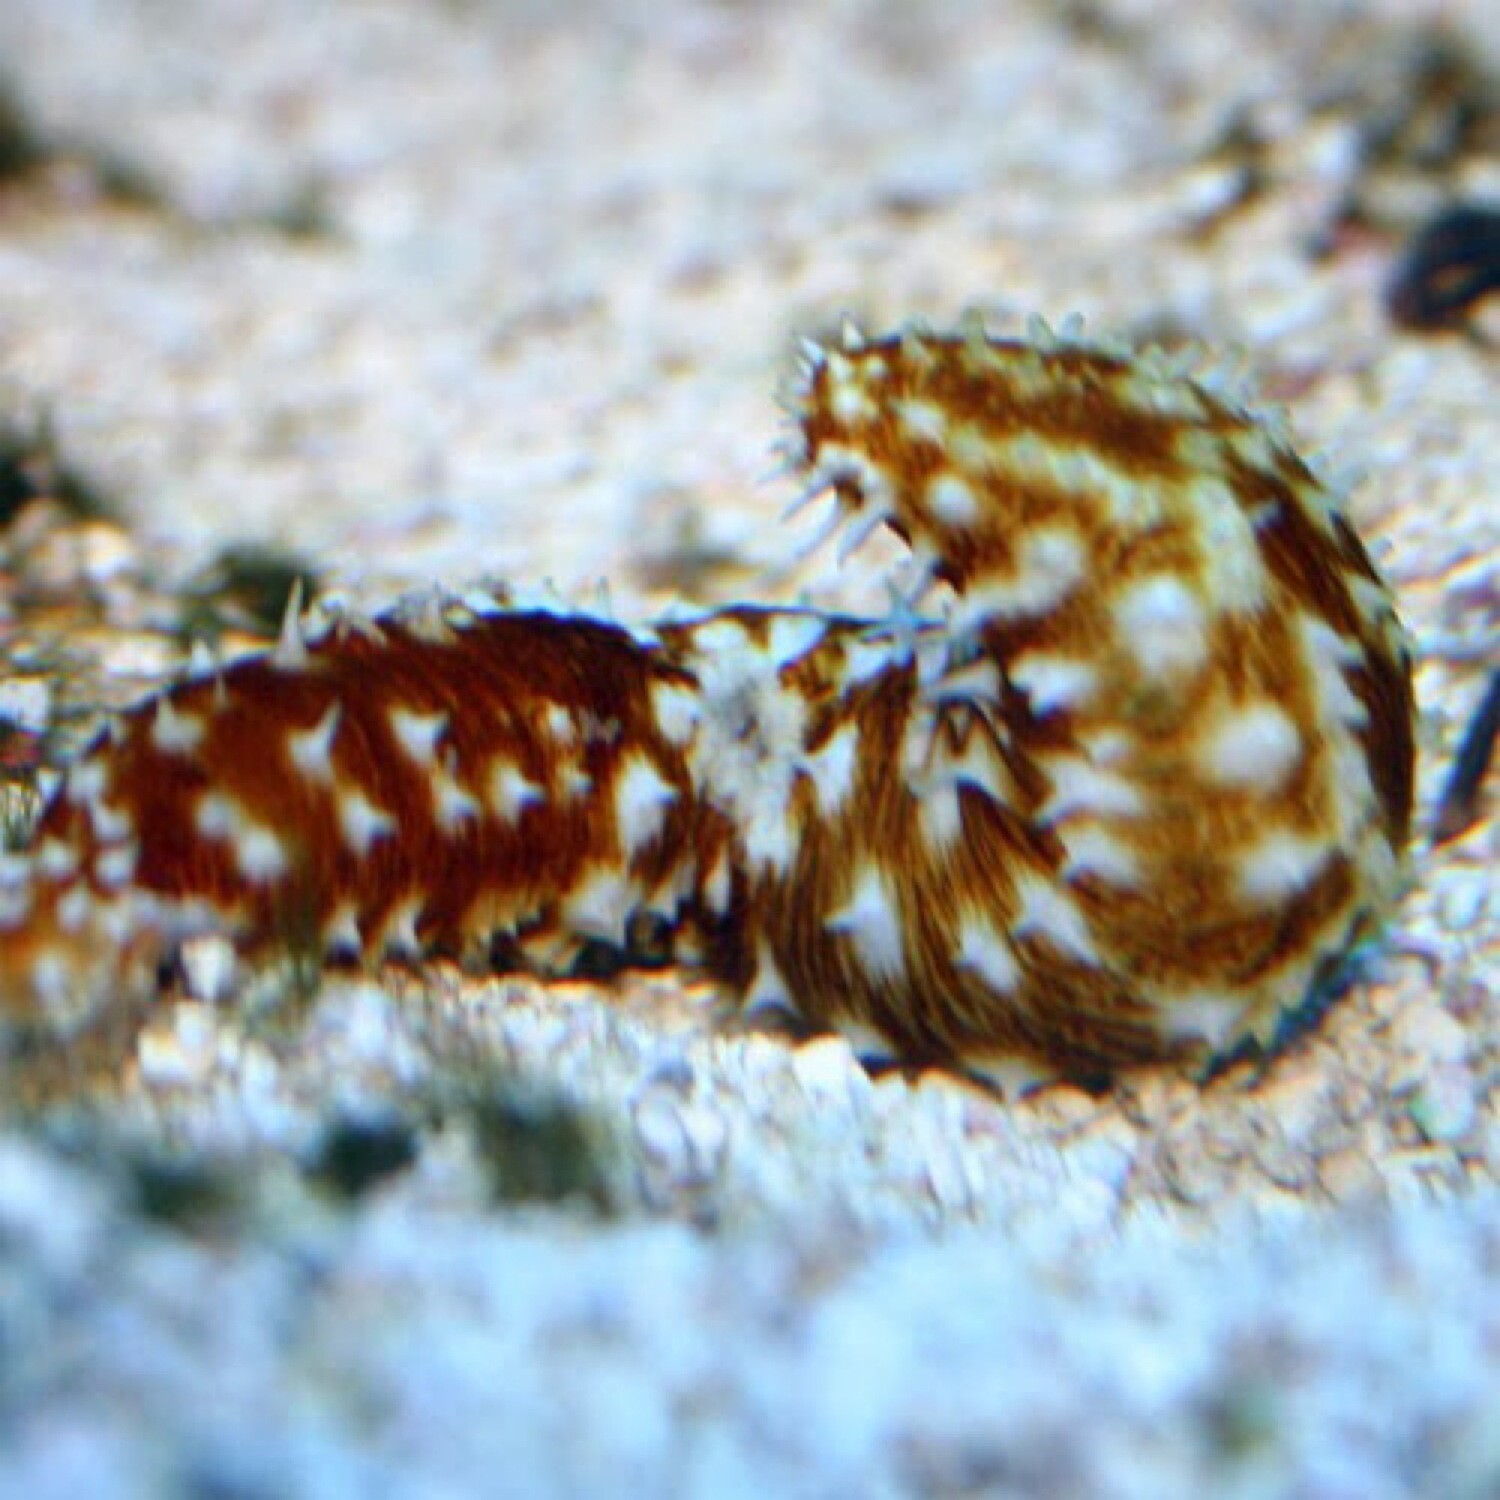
[{"x": 1126, "y": 768}]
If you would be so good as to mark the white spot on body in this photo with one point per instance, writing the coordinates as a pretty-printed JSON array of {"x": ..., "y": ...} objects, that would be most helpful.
[
  {"x": 511, "y": 792},
  {"x": 792, "y": 634},
  {"x": 1235, "y": 575},
  {"x": 217, "y": 816},
  {"x": 341, "y": 934},
  {"x": 1109, "y": 747},
  {"x": 848, "y": 399},
  {"x": 977, "y": 681},
  {"x": 675, "y": 709},
  {"x": 116, "y": 867},
  {"x": 174, "y": 732},
  {"x": 717, "y": 888},
  {"x": 867, "y": 658},
  {"x": 1202, "y": 1016},
  {"x": 940, "y": 808},
  {"x": 1089, "y": 477},
  {"x": 258, "y": 851},
  {"x": 1079, "y": 786},
  {"x": 312, "y": 749},
  {"x": 951, "y": 501},
  {"x": 361, "y": 822},
  {"x": 974, "y": 452},
  {"x": 1044, "y": 911},
  {"x": 986, "y": 954},
  {"x": 871, "y": 920},
  {"x": 209, "y": 968},
  {"x": 1092, "y": 850},
  {"x": 1254, "y": 747},
  {"x": 559, "y": 723},
  {"x": 260, "y": 854},
  {"x": 839, "y": 463},
  {"x": 111, "y": 826},
  {"x": 922, "y": 421},
  {"x": 398, "y": 934},
  {"x": 749, "y": 748},
  {"x": 1343, "y": 756},
  {"x": 1050, "y": 564},
  {"x": 768, "y": 986},
  {"x": 1160, "y": 621},
  {"x": 833, "y": 767},
  {"x": 722, "y": 638},
  {"x": 1372, "y": 599},
  {"x": 600, "y": 905},
  {"x": 74, "y": 908},
  {"x": 87, "y": 781},
  {"x": 1053, "y": 682},
  {"x": 417, "y": 733},
  {"x": 770, "y": 842},
  {"x": 1329, "y": 654},
  {"x": 452, "y": 805},
  {"x": 642, "y": 797},
  {"x": 1281, "y": 865},
  {"x": 56, "y": 860}
]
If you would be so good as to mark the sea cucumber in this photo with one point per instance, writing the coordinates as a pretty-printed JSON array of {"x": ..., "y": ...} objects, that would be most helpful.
[{"x": 1125, "y": 770}]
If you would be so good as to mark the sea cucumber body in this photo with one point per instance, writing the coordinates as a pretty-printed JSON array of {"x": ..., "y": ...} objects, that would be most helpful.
[
  {"x": 1128, "y": 772},
  {"x": 1181, "y": 672},
  {"x": 396, "y": 789}
]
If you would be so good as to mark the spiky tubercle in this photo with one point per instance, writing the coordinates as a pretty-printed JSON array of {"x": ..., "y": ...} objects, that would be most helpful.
[{"x": 1142, "y": 778}]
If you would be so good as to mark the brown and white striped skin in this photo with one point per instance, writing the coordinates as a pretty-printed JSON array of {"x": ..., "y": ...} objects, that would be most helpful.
[{"x": 1143, "y": 777}]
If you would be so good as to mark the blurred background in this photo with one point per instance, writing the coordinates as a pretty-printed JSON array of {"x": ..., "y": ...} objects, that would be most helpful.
[{"x": 505, "y": 286}]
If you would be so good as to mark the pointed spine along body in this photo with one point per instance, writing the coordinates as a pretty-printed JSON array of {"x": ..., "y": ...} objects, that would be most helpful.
[{"x": 1137, "y": 776}]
